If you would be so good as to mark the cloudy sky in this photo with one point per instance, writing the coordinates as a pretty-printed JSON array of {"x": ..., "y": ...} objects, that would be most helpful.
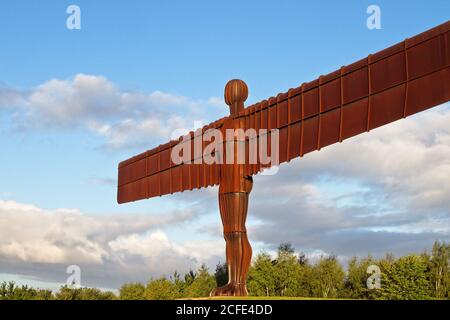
[{"x": 73, "y": 103}]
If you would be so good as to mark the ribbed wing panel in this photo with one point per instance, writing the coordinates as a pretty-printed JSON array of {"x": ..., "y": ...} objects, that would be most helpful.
[
  {"x": 404, "y": 79},
  {"x": 153, "y": 173}
]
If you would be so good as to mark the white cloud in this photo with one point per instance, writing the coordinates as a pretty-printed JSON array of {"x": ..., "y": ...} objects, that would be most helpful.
[
  {"x": 125, "y": 243},
  {"x": 134, "y": 133},
  {"x": 123, "y": 118},
  {"x": 157, "y": 244}
]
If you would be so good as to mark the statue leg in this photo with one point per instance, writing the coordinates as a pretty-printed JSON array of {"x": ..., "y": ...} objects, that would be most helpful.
[{"x": 233, "y": 211}]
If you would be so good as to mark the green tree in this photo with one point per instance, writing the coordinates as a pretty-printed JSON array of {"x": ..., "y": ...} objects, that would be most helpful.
[
  {"x": 202, "y": 285},
  {"x": 10, "y": 291},
  {"x": 160, "y": 289},
  {"x": 327, "y": 278},
  {"x": 68, "y": 293},
  {"x": 43, "y": 294},
  {"x": 447, "y": 275},
  {"x": 261, "y": 276},
  {"x": 302, "y": 259},
  {"x": 356, "y": 279},
  {"x": 180, "y": 285},
  {"x": 132, "y": 291},
  {"x": 189, "y": 277},
  {"x": 405, "y": 279},
  {"x": 287, "y": 271},
  {"x": 439, "y": 269},
  {"x": 221, "y": 274},
  {"x": 305, "y": 280},
  {"x": 286, "y": 248}
]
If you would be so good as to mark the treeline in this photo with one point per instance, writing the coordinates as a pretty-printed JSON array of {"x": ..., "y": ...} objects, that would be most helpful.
[
  {"x": 415, "y": 276},
  {"x": 11, "y": 291}
]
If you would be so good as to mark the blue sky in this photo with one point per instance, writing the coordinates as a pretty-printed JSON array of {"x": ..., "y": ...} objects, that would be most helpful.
[
  {"x": 176, "y": 56},
  {"x": 185, "y": 48}
]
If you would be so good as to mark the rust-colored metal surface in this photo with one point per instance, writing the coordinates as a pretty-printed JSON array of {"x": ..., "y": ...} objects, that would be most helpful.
[
  {"x": 399, "y": 81},
  {"x": 404, "y": 79},
  {"x": 234, "y": 190}
]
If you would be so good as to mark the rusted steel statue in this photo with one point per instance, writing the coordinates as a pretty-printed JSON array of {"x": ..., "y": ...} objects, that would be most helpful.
[{"x": 404, "y": 79}]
